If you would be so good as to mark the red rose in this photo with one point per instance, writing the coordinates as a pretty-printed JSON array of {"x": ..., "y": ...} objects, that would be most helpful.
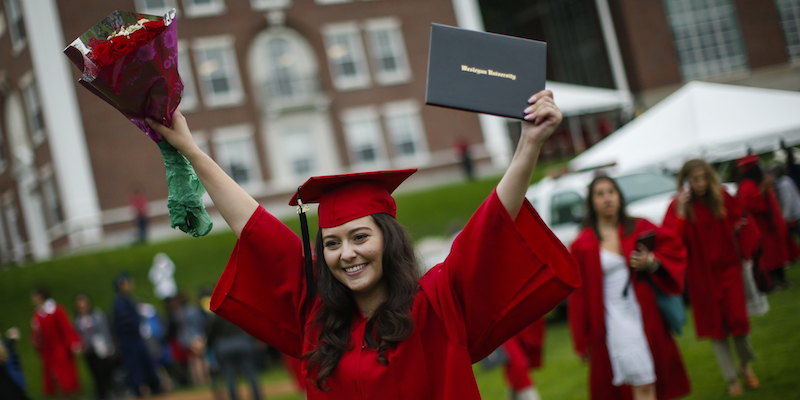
[{"x": 106, "y": 52}]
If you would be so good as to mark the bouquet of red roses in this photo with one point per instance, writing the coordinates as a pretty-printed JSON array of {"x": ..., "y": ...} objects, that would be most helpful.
[{"x": 130, "y": 60}]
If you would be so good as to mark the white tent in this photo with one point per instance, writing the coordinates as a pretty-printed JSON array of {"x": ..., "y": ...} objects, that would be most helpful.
[
  {"x": 575, "y": 100},
  {"x": 712, "y": 121}
]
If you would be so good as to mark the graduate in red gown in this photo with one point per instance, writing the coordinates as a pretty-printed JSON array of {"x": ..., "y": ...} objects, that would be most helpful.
[
  {"x": 757, "y": 197},
  {"x": 709, "y": 221},
  {"x": 524, "y": 352},
  {"x": 369, "y": 327},
  {"x": 57, "y": 343},
  {"x": 656, "y": 370}
]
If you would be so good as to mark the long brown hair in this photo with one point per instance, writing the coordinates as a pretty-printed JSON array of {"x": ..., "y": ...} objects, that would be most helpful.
[
  {"x": 391, "y": 322},
  {"x": 713, "y": 196},
  {"x": 590, "y": 218}
]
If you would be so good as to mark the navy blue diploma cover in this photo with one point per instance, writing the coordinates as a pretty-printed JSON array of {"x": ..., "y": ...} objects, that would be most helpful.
[{"x": 483, "y": 72}]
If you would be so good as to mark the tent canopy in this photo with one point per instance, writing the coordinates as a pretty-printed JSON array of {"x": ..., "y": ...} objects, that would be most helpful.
[
  {"x": 575, "y": 100},
  {"x": 701, "y": 120}
]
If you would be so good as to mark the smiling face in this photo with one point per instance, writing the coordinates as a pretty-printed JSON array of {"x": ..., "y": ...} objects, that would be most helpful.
[
  {"x": 354, "y": 254},
  {"x": 605, "y": 199}
]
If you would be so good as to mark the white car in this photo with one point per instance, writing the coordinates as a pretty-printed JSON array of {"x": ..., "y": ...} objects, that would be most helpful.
[{"x": 561, "y": 201}]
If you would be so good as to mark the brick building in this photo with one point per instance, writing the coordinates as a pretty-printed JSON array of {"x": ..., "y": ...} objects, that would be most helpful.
[
  {"x": 276, "y": 91},
  {"x": 652, "y": 47}
]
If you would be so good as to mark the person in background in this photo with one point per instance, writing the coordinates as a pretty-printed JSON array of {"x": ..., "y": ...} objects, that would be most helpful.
[
  {"x": 757, "y": 198},
  {"x": 126, "y": 323},
  {"x": 139, "y": 204},
  {"x": 709, "y": 221},
  {"x": 191, "y": 324},
  {"x": 233, "y": 349},
  {"x": 615, "y": 323},
  {"x": 12, "y": 382},
  {"x": 789, "y": 200},
  {"x": 92, "y": 324},
  {"x": 465, "y": 158},
  {"x": 57, "y": 343},
  {"x": 524, "y": 353}
]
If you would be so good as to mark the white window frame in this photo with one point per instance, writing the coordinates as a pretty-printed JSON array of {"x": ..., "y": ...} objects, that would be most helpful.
[
  {"x": 697, "y": 33},
  {"x": 191, "y": 10},
  {"x": 224, "y": 43},
  {"x": 13, "y": 11},
  {"x": 266, "y": 5},
  {"x": 189, "y": 99},
  {"x": 393, "y": 27},
  {"x": 51, "y": 200},
  {"x": 789, "y": 11},
  {"x": 407, "y": 109},
  {"x": 235, "y": 133},
  {"x": 142, "y": 8},
  {"x": 369, "y": 115},
  {"x": 33, "y": 106},
  {"x": 304, "y": 153},
  {"x": 361, "y": 79}
]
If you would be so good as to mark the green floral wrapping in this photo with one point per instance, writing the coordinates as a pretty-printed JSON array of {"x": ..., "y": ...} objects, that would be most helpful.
[{"x": 185, "y": 200}]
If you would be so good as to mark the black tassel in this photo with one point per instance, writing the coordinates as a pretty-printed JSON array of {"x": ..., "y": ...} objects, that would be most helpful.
[{"x": 308, "y": 257}]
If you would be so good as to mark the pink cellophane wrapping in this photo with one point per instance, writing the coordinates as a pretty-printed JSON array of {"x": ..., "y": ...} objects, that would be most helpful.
[{"x": 144, "y": 83}]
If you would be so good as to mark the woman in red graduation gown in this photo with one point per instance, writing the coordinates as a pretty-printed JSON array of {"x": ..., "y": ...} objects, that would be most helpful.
[
  {"x": 57, "y": 342},
  {"x": 757, "y": 198},
  {"x": 709, "y": 219},
  {"x": 620, "y": 331},
  {"x": 524, "y": 352},
  {"x": 369, "y": 328}
]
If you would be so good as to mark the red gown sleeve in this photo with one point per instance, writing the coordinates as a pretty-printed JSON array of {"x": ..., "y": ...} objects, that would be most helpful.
[
  {"x": 501, "y": 275},
  {"x": 671, "y": 254},
  {"x": 262, "y": 288},
  {"x": 577, "y": 305},
  {"x": 70, "y": 336}
]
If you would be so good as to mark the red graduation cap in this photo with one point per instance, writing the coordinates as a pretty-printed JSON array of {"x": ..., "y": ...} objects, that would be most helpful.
[
  {"x": 343, "y": 198},
  {"x": 747, "y": 162}
]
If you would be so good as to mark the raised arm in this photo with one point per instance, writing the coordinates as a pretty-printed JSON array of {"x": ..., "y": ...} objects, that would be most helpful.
[
  {"x": 233, "y": 202},
  {"x": 542, "y": 117}
]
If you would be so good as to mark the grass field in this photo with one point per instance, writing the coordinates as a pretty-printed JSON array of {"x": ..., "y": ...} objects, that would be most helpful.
[{"x": 425, "y": 213}]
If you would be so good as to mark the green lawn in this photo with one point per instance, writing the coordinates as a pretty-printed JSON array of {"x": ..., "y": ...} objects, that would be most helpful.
[{"x": 425, "y": 213}]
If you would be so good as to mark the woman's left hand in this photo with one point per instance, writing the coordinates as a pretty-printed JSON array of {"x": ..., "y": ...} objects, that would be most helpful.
[
  {"x": 641, "y": 258},
  {"x": 542, "y": 117}
]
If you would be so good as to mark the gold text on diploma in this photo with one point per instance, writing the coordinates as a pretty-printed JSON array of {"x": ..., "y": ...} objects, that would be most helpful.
[{"x": 490, "y": 72}]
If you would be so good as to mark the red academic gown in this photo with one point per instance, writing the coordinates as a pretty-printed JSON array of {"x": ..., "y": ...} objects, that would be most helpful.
[
  {"x": 500, "y": 276},
  {"x": 55, "y": 339},
  {"x": 714, "y": 270},
  {"x": 586, "y": 313},
  {"x": 767, "y": 214},
  {"x": 524, "y": 352}
]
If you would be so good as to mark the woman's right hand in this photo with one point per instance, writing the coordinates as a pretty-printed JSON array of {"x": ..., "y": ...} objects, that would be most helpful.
[
  {"x": 683, "y": 201},
  {"x": 179, "y": 135}
]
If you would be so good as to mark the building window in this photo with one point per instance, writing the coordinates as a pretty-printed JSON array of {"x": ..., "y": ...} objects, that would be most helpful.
[
  {"x": 297, "y": 147},
  {"x": 262, "y": 5},
  {"x": 387, "y": 51},
  {"x": 154, "y": 7},
  {"x": 218, "y": 71},
  {"x": 345, "y": 52},
  {"x": 707, "y": 37},
  {"x": 189, "y": 97},
  {"x": 234, "y": 151},
  {"x": 55, "y": 215},
  {"x": 284, "y": 82},
  {"x": 35, "y": 113},
  {"x": 16, "y": 25},
  {"x": 203, "y": 8},
  {"x": 405, "y": 130},
  {"x": 364, "y": 137},
  {"x": 18, "y": 247},
  {"x": 790, "y": 21}
]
